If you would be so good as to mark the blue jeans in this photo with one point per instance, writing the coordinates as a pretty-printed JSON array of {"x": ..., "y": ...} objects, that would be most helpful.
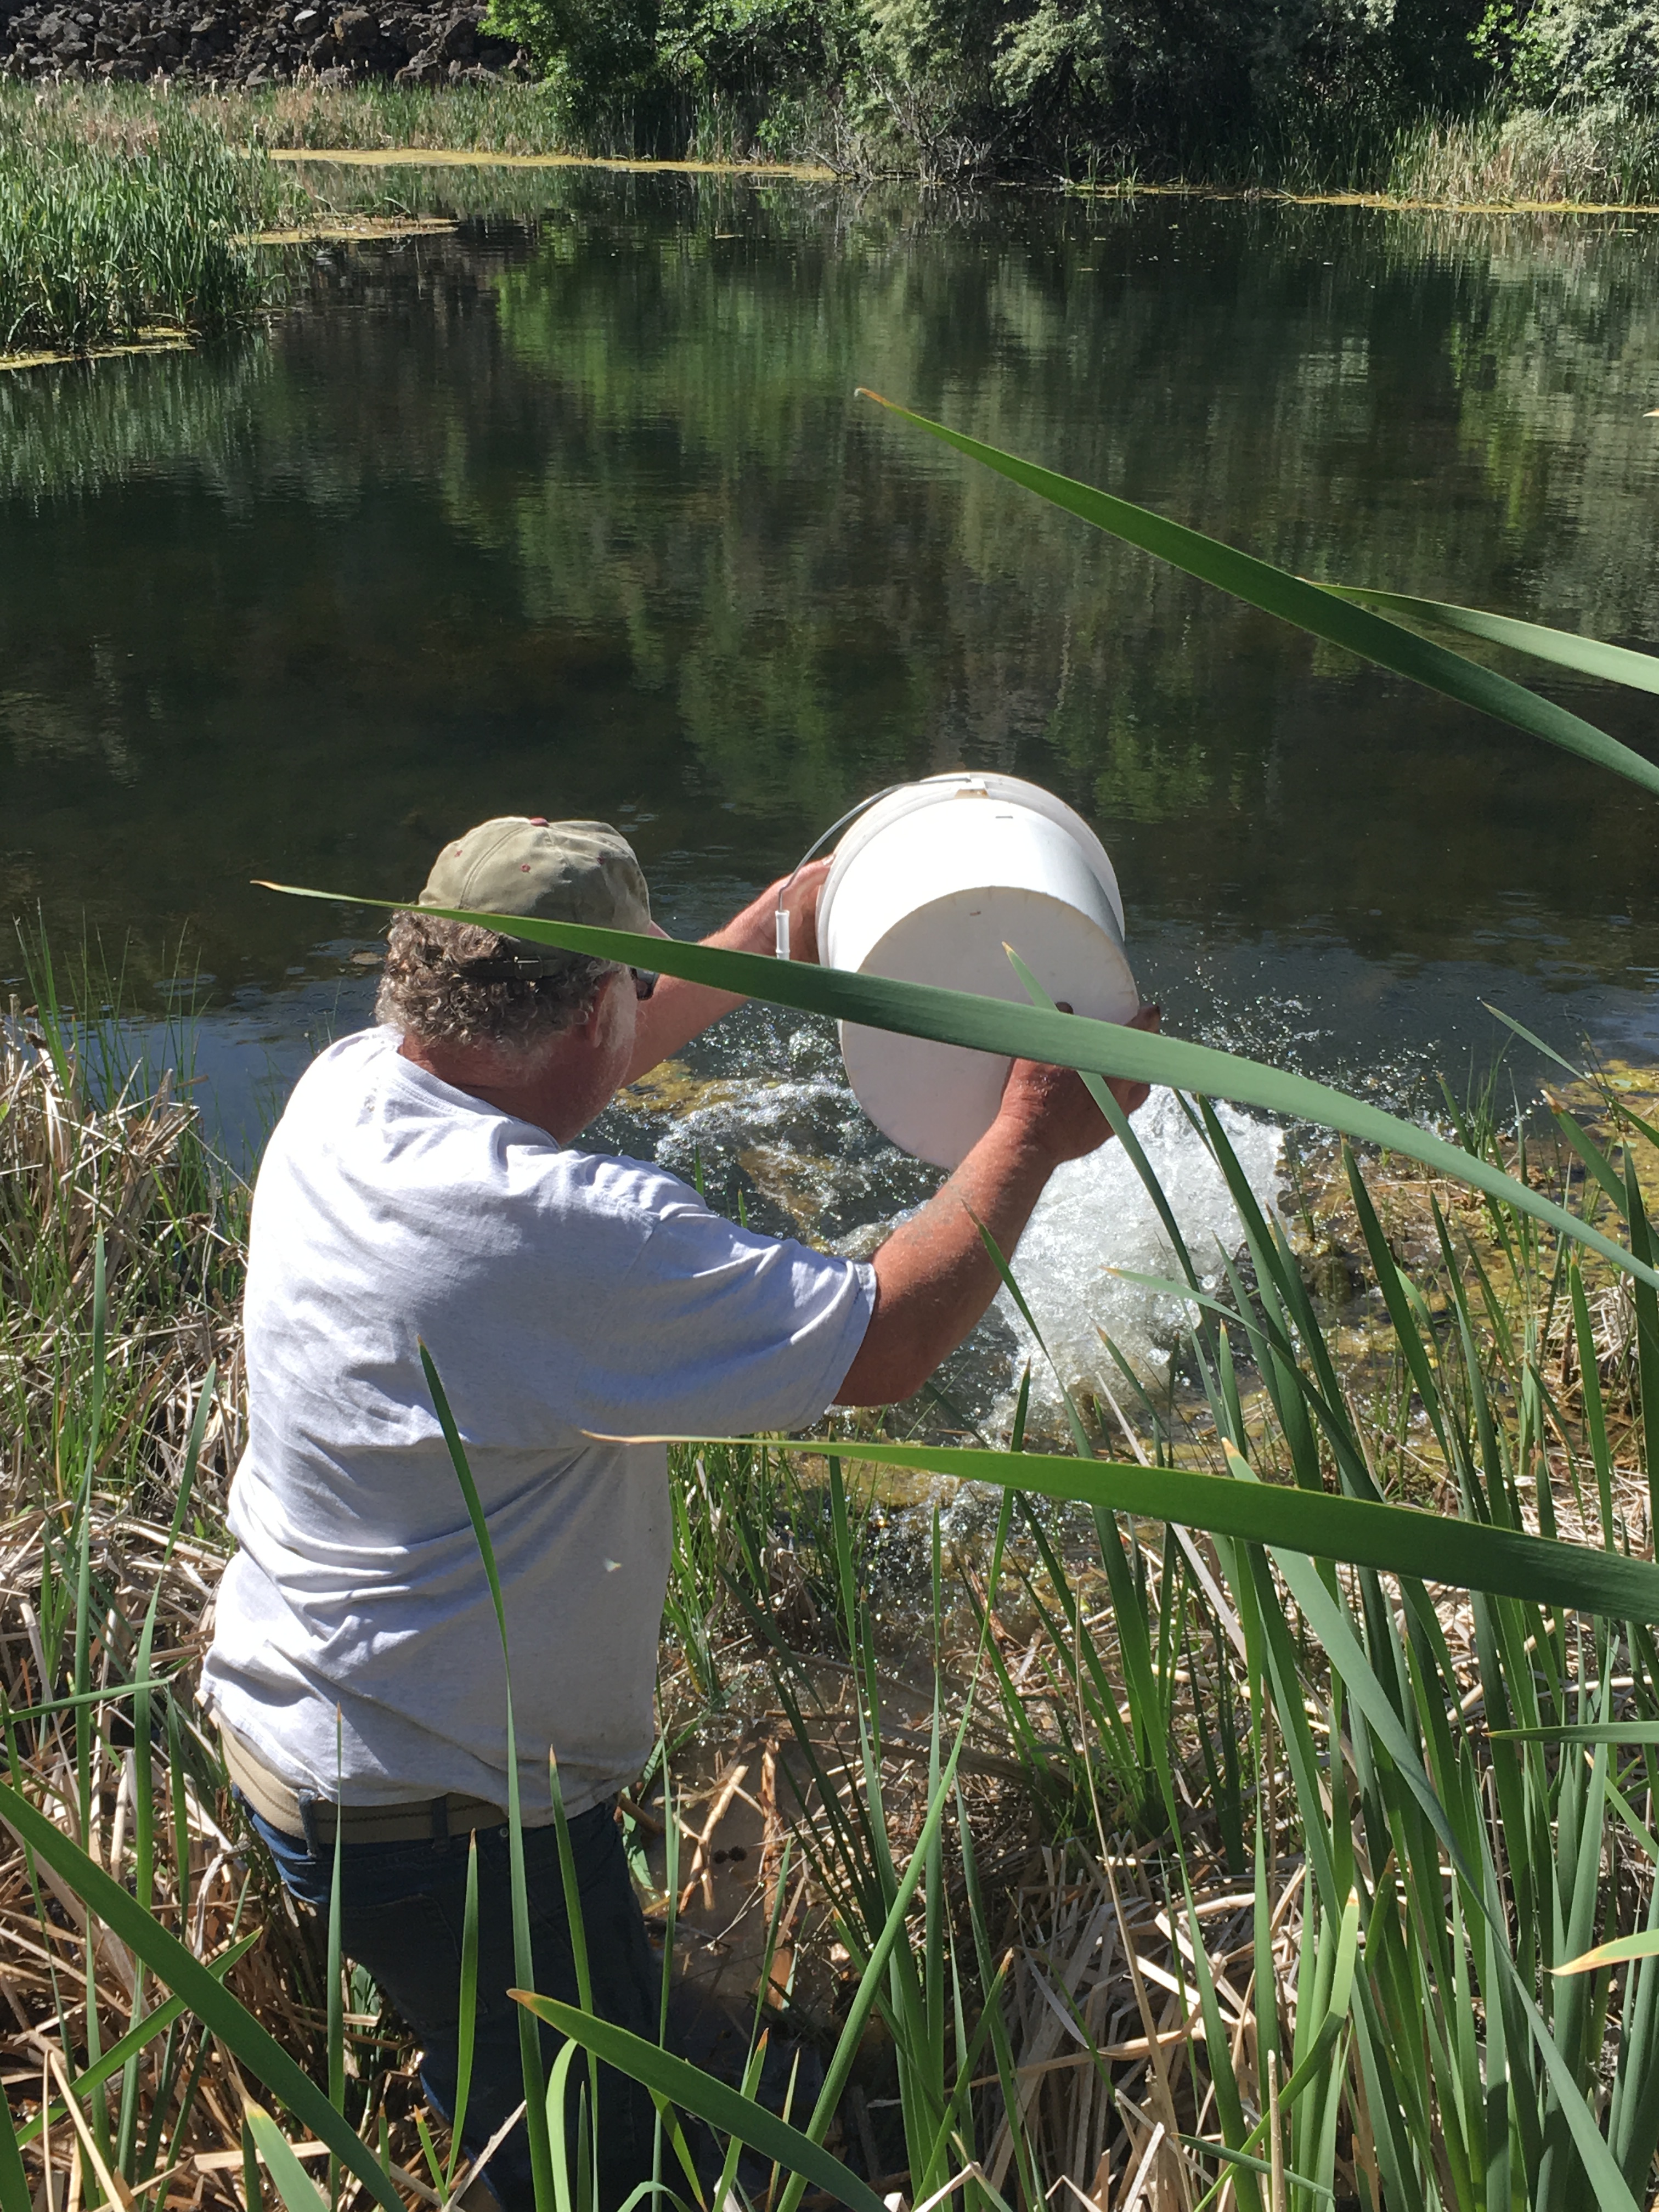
[{"x": 403, "y": 1908}]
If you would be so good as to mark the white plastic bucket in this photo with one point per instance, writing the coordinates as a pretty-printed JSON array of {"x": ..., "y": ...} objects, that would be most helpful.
[{"x": 928, "y": 887}]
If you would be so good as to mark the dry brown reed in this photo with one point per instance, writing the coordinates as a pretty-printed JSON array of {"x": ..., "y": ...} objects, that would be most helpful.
[{"x": 127, "y": 1177}]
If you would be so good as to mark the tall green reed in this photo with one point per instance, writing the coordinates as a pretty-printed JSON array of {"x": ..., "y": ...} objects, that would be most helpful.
[{"x": 105, "y": 236}]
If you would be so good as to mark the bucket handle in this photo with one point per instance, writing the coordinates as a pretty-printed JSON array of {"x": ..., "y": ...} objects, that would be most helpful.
[{"x": 781, "y": 920}]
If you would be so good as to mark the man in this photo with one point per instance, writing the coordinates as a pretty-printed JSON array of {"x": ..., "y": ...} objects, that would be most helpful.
[{"x": 425, "y": 1187}]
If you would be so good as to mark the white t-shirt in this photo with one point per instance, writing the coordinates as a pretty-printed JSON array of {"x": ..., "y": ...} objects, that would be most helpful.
[{"x": 563, "y": 1295}]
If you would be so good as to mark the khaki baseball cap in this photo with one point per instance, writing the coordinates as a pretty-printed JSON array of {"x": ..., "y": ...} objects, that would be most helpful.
[{"x": 582, "y": 872}]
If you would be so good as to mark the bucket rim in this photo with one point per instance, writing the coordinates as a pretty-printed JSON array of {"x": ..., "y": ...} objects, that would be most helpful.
[{"x": 929, "y": 790}]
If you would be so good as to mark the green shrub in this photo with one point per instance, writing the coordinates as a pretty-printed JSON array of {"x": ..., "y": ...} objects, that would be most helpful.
[
  {"x": 640, "y": 73},
  {"x": 1194, "y": 84},
  {"x": 1577, "y": 52}
]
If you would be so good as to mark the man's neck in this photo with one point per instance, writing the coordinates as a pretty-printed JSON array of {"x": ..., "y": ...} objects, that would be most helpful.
[{"x": 548, "y": 1092}]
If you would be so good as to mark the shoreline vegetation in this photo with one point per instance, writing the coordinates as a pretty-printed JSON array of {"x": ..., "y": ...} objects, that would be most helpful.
[
  {"x": 136, "y": 215},
  {"x": 1143, "y": 1963}
]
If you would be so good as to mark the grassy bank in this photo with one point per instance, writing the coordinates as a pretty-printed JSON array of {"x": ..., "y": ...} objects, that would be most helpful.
[
  {"x": 1607, "y": 155},
  {"x": 135, "y": 214},
  {"x": 128, "y": 212}
]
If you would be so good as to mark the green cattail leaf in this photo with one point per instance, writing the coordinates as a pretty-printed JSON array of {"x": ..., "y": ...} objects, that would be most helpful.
[
  {"x": 722, "y": 2107},
  {"x": 999, "y": 1026},
  {"x": 1588, "y": 656},
  {"x": 466, "y": 2027},
  {"x": 293, "y": 2185},
  {"x": 1644, "y": 1945},
  {"x": 14, "y": 2183},
  {"x": 1393, "y": 1539},
  {"x": 1330, "y": 613},
  {"x": 1252, "y": 2164},
  {"x": 1581, "y": 1732}
]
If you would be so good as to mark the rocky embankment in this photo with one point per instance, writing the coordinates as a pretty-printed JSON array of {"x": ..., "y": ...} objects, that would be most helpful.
[{"x": 235, "y": 42}]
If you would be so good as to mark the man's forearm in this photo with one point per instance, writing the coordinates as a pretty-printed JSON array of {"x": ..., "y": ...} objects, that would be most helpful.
[
  {"x": 935, "y": 1278},
  {"x": 678, "y": 1011}
]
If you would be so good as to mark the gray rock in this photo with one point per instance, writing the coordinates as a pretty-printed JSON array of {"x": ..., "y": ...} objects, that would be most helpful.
[{"x": 262, "y": 41}]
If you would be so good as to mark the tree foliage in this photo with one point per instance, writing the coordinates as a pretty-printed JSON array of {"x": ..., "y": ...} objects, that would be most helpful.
[
  {"x": 1321, "y": 87},
  {"x": 1197, "y": 85},
  {"x": 1577, "y": 52}
]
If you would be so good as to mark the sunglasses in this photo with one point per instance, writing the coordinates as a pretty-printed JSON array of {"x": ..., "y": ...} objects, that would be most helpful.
[{"x": 645, "y": 981}]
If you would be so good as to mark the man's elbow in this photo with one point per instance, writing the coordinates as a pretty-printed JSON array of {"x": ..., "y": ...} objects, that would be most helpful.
[{"x": 883, "y": 1373}]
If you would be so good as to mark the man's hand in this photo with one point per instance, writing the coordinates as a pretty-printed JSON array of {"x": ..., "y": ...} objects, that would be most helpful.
[
  {"x": 934, "y": 1276},
  {"x": 1054, "y": 1110},
  {"x": 800, "y": 903}
]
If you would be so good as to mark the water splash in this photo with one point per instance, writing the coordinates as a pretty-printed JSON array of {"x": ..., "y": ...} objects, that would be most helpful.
[
  {"x": 771, "y": 1115},
  {"x": 1096, "y": 1218}
]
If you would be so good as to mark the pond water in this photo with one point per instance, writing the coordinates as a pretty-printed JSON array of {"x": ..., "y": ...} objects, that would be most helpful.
[{"x": 576, "y": 513}]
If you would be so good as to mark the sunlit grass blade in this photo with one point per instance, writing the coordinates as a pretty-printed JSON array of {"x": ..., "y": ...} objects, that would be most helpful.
[
  {"x": 1311, "y": 607},
  {"x": 1394, "y": 1539},
  {"x": 1582, "y": 1732},
  {"x": 575, "y": 1921},
  {"x": 466, "y": 2023},
  {"x": 253, "y": 2195},
  {"x": 996, "y": 1025},
  {"x": 1252, "y": 2164},
  {"x": 678, "y": 2082},
  {"x": 1588, "y": 656},
  {"x": 1643, "y": 1945},
  {"x": 524, "y": 1962},
  {"x": 293, "y": 2185},
  {"x": 214, "y": 2005}
]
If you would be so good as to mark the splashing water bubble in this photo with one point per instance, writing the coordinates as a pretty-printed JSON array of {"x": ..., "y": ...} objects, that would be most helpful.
[{"x": 1096, "y": 1218}]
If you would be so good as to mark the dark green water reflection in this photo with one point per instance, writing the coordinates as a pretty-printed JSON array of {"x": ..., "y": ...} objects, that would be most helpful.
[{"x": 582, "y": 517}]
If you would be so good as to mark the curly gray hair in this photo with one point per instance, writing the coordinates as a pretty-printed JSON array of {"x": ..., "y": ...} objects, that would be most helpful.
[{"x": 426, "y": 991}]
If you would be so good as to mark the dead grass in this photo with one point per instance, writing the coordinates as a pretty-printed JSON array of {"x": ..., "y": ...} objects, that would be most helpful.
[{"x": 1589, "y": 156}]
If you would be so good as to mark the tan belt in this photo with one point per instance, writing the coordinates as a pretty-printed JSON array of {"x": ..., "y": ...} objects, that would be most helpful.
[{"x": 312, "y": 1819}]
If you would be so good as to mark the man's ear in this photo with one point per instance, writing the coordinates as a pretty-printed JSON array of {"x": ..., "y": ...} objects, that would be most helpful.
[{"x": 595, "y": 1024}]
